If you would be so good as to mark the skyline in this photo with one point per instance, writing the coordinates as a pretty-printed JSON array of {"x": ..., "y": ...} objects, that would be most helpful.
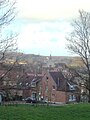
[{"x": 43, "y": 25}]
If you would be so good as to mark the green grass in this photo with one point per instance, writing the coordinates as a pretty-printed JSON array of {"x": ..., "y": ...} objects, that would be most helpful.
[{"x": 28, "y": 112}]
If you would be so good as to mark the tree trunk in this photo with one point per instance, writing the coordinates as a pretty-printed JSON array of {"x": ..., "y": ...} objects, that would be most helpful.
[
  {"x": 89, "y": 88},
  {"x": 89, "y": 96}
]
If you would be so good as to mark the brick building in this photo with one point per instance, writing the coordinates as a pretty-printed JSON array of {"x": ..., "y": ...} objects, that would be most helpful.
[
  {"x": 50, "y": 86},
  {"x": 55, "y": 88},
  {"x": 29, "y": 85}
]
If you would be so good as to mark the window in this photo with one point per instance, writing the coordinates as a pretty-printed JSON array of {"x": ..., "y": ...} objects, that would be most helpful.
[
  {"x": 26, "y": 84},
  {"x": 53, "y": 94},
  {"x": 71, "y": 87},
  {"x": 46, "y": 89},
  {"x": 53, "y": 87},
  {"x": 58, "y": 81},
  {"x": 40, "y": 88},
  {"x": 72, "y": 98},
  {"x": 10, "y": 83},
  {"x": 33, "y": 96},
  {"x": 33, "y": 84},
  {"x": 4, "y": 82}
]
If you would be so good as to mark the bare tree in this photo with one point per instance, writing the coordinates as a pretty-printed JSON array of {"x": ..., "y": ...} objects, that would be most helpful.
[
  {"x": 7, "y": 38},
  {"x": 79, "y": 42}
]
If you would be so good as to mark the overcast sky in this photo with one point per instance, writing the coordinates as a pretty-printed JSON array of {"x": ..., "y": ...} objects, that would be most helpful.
[{"x": 44, "y": 24}]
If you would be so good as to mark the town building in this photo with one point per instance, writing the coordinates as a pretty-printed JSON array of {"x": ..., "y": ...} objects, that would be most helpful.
[{"x": 54, "y": 87}]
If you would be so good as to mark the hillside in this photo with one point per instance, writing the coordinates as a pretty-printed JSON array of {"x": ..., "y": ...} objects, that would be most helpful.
[{"x": 32, "y": 58}]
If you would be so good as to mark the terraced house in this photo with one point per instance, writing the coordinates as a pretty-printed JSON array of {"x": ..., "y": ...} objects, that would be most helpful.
[{"x": 50, "y": 86}]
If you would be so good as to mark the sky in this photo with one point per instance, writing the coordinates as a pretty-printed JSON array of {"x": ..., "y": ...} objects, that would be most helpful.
[{"x": 44, "y": 24}]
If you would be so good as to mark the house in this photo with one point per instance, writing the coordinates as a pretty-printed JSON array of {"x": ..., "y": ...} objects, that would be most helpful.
[
  {"x": 28, "y": 84},
  {"x": 50, "y": 86},
  {"x": 54, "y": 87},
  {"x": 17, "y": 84}
]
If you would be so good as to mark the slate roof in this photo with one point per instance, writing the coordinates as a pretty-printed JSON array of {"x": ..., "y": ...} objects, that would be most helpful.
[
  {"x": 61, "y": 82},
  {"x": 59, "y": 79},
  {"x": 27, "y": 79}
]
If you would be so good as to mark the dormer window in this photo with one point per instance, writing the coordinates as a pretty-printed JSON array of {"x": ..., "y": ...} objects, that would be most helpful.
[
  {"x": 20, "y": 83},
  {"x": 71, "y": 87},
  {"x": 33, "y": 84},
  {"x": 26, "y": 84}
]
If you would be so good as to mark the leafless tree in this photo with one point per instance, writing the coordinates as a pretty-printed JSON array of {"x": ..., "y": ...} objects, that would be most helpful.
[
  {"x": 79, "y": 42},
  {"x": 7, "y": 38}
]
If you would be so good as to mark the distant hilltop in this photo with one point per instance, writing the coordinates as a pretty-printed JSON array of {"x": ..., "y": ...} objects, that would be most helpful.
[{"x": 31, "y": 58}]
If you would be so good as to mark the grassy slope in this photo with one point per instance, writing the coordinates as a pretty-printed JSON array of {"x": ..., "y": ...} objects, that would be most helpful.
[{"x": 28, "y": 112}]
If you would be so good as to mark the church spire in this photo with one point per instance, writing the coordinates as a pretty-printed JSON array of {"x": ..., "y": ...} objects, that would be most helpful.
[{"x": 50, "y": 57}]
